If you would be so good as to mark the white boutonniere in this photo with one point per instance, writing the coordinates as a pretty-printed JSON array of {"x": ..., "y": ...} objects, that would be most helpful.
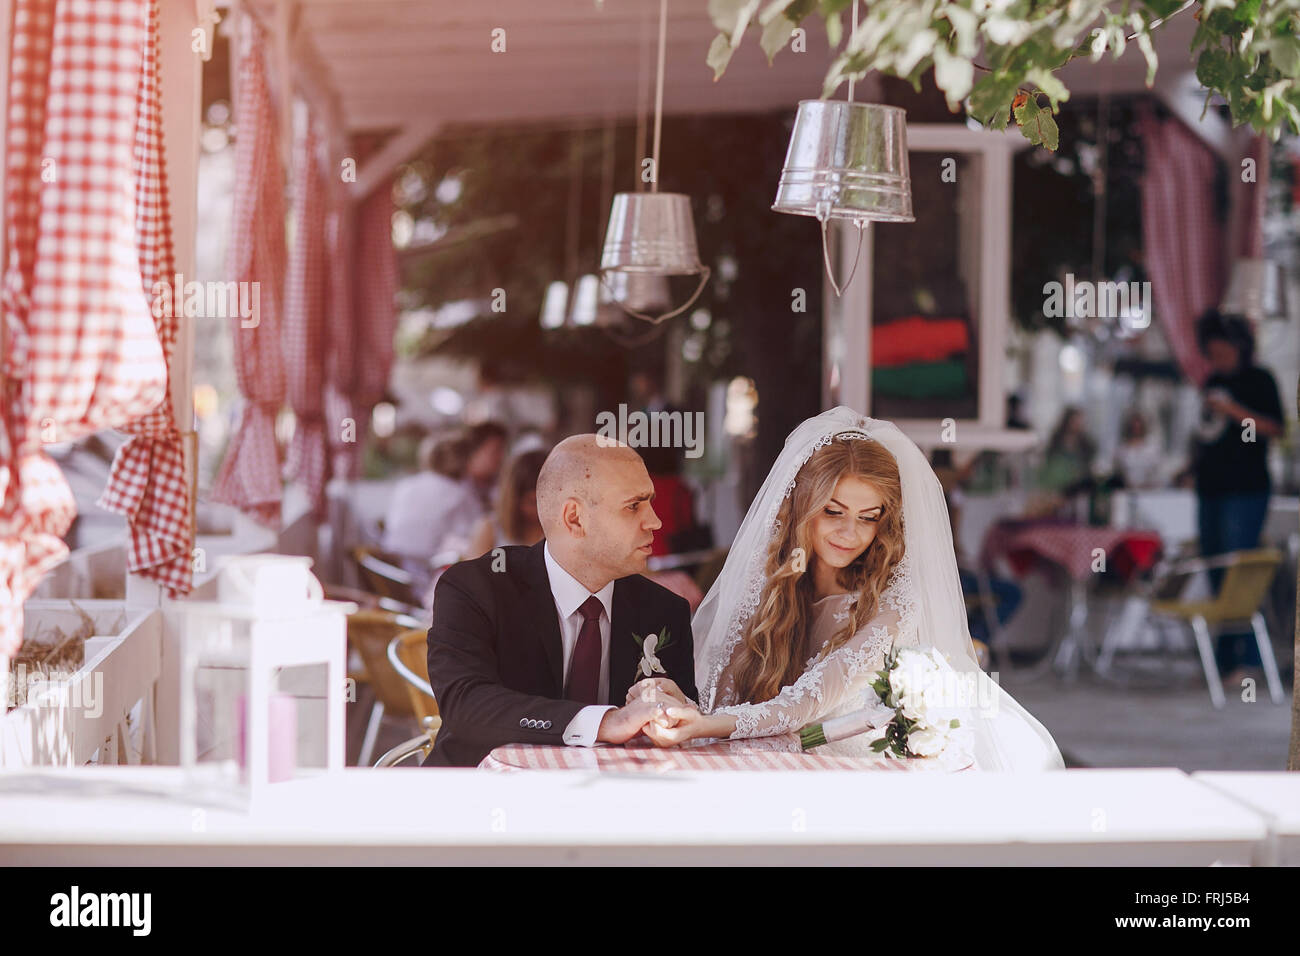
[{"x": 650, "y": 645}]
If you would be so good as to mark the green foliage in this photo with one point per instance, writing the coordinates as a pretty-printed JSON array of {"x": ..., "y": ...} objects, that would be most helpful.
[{"x": 1249, "y": 50}]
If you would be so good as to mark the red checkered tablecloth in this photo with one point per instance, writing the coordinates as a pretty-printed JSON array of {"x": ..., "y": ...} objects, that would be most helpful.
[
  {"x": 763, "y": 753},
  {"x": 1072, "y": 547}
]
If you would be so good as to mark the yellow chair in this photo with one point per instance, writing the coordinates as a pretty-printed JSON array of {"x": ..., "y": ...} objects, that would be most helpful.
[
  {"x": 1246, "y": 582},
  {"x": 408, "y": 654},
  {"x": 369, "y": 632}
]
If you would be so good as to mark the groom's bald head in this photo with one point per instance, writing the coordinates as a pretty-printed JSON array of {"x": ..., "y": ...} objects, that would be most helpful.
[
  {"x": 578, "y": 467},
  {"x": 594, "y": 502}
]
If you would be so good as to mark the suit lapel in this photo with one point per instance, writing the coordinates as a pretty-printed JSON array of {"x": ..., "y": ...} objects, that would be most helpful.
[
  {"x": 622, "y": 649},
  {"x": 541, "y": 610}
]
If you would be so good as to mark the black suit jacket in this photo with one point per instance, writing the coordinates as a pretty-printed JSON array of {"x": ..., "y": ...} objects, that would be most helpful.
[{"x": 496, "y": 657}]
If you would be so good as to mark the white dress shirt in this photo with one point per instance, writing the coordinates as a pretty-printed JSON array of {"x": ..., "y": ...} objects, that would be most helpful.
[{"x": 570, "y": 595}]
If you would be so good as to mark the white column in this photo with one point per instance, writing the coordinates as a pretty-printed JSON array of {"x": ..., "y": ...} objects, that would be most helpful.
[
  {"x": 181, "y": 81},
  {"x": 846, "y": 320}
]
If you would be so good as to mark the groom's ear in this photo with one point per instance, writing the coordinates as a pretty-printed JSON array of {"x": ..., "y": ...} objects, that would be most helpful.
[{"x": 571, "y": 518}]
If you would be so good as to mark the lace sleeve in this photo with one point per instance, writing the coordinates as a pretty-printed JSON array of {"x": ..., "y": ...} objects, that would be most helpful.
[{"x": 832, "y": 681}]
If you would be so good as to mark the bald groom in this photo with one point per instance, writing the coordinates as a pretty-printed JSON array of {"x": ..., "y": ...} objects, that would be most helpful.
[{"x": 536, "y": 644}]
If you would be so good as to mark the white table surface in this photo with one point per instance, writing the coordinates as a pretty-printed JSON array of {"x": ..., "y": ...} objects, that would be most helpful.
[
  {"x": 1276, "y": 796},
  {"x": 425, "y": 816}
]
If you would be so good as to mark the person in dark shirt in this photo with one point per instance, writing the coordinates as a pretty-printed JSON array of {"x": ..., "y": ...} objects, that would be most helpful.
[{"x": 1231, "y": 458}]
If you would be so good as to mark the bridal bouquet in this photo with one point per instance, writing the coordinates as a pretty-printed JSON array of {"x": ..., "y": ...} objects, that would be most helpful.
[{"x": 914, "y": 714}]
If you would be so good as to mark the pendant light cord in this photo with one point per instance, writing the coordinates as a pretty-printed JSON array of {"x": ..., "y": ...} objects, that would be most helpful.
[
  {"x": 659, "y": 88},
  {"x": 851, "y": 33}
]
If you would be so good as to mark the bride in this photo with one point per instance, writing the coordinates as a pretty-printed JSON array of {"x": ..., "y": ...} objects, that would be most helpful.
[{"x": 845, "y": 552}]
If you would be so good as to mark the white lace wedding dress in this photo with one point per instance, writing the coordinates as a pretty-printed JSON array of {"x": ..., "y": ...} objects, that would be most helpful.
[
  {"x": 922, "y": 606},
  {"x": 832, "y": 685}
]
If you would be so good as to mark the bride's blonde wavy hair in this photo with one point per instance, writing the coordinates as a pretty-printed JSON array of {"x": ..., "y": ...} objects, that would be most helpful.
[{"x": 769, "y": 657}]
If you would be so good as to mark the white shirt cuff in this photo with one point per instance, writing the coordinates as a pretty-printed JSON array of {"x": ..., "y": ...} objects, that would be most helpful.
[{"x": 585, "y": 725}]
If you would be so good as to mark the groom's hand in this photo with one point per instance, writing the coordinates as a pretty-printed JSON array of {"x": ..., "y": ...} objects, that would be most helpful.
[
  {"x": 656, "y": 689},
  {"x": 621, "y": 725}
]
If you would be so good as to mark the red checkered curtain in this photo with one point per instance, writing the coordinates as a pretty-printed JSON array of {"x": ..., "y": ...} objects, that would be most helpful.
[
  {"x": 148, "y": 482},
  {"x": 1250, "y": 202},
  {"x": 341, "y": 371},
  {"x": 304, "y": 324},
  {"x": 1181, "y": 235},
  {"x": 249, "y": 477},
  {"x": 376, "y": 290},
  {"x": 81, "y": 349}
]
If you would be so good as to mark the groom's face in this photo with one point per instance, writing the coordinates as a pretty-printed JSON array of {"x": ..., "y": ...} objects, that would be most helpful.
[
  {"x": 622, "y": 523},
  {"x": 847, "y": 524}
]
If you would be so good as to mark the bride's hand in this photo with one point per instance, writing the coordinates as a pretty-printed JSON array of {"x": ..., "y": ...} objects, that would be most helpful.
[
  {"x": 656, "y": 689},
  {"x": 679, "y": 724}
]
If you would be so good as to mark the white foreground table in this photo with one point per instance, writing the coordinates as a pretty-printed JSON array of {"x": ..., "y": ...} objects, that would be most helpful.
[
  {"x": 1276, "y": 796},
  {"x": 141, "y": 815}
]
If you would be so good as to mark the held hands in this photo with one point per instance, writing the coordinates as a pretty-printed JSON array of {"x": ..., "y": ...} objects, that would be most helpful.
[
  {"x": 657, "y": 708},
  {"x": 677, "y": 719},
  {"x": 656, "y": 689},
  {"x": 621, "y": 725}
]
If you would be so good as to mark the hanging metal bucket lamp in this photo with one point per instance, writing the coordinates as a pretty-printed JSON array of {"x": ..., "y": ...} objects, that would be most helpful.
[
  {"x": 651, "y": 234},
  {"x": 847, "y": 160}
]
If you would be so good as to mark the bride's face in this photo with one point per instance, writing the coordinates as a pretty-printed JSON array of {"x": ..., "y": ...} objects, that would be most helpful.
[{"x": 846, "y": 526}]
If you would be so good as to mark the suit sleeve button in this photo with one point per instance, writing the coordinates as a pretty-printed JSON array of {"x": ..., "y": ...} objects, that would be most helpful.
[
  {"x": 546, "y": 725},
  {"x": 523, "y": 721}
]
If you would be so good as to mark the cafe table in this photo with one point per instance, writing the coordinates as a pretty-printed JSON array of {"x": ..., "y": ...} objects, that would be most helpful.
[
  {"x": 1073, "y": 548},
  {"x": 435, "y": 817},
  {"x": 759, "y": 754}
]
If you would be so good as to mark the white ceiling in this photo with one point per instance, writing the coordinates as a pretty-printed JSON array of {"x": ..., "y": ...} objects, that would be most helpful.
[
  {"x": 420, "y": 66},
  {"x": 394, "y": 62}
]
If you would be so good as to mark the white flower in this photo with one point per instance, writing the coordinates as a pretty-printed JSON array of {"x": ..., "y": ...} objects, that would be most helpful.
[
  {"x": 913, "y": 673},
  {"x": 649, "y": 662},
  {"x": 927, "y": 741}
]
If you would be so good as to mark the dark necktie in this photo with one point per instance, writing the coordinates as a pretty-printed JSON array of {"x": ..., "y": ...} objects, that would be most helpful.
[{"x": 584, "y": 668}]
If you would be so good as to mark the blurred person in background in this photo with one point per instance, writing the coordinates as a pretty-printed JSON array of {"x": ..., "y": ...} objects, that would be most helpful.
[
  {"x": 1006, "y": 593},
  {"x": 1016, "y": 412},
  {"x": 485, "y": 453},
  {"x": 1071, "y": 451},
  {"x": 674, "y": 499},
  {"x": 1230, "y": 460},
  {"x": 1140, "y": 457},
  {"x": 514, "y": 520},
  {"x": 430, "y": 507}
]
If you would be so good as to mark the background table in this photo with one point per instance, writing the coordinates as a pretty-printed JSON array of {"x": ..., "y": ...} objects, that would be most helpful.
[
  {"x": 1070, "y": 546},
  {"x": 764, "y": 753}
]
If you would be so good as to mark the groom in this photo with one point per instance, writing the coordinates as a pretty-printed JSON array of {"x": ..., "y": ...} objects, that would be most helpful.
[{"x": 535, "y": 644}]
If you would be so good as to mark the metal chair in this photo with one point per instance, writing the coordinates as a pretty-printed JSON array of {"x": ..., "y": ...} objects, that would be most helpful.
[
  {"x": 369, "y": 632},
  {"x": 416, "y": 745},
  {"x": 383, "y": 574},
  {"x": 1249, "y": 575},
  {"x": 407, "y": 652},
  {"x": 368, "y": 599}
]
